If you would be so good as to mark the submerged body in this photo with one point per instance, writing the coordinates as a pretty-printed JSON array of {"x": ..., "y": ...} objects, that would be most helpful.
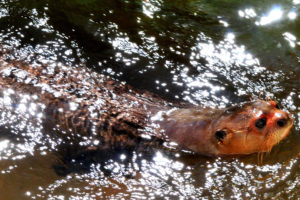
[{"x": 84, "y": 103}]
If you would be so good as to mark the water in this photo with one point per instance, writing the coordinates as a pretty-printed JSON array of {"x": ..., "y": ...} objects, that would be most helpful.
[{"x": 202, "y": 52}]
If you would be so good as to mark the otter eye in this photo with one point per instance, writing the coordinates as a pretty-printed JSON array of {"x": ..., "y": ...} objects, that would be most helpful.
[
  {"x": 261, "y": 123},
  {"x": 220, "y": 135}
]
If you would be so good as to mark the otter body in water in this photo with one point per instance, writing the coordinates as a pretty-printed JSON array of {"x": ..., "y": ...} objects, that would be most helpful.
[{"x": 85, "y": 103}]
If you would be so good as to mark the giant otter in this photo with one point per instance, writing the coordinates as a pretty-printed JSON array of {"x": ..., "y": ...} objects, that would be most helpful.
[{"x": 86, "y": 103}]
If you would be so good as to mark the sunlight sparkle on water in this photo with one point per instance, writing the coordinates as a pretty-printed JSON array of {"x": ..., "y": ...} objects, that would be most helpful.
[
  {"x": 124, "y": 44},
  {"x": 73, "y": 106},
  {"x": 275, "y": 14},
  {"x": 3, "y": 144},
  {"x": 149, "y": 8},
  {"x": 226, "y": 58},
  {"x": 290, "y": 38},
  {"x": 292, "y": 15},
  {"x": 22, "y": 108},
  {"x": 296, "y": 2},
  {"x": 3, "y": 13},
  {"x": 7, "y": 100},
  {"x": 247, "y": 13}
]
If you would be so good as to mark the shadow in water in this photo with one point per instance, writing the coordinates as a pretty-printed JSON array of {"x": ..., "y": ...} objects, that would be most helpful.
[{"x": 80, "y": 160}]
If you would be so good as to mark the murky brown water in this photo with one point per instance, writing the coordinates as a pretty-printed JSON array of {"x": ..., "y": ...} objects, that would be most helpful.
[{"x": 202, "y": 52}]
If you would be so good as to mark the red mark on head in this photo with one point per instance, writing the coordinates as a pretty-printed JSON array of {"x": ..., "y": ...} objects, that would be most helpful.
[{"x": 274, "y": 104}]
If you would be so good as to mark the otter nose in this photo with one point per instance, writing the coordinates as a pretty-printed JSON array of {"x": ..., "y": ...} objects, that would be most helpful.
[
  {"x": 282, "y": 119},
  {"x": 282, "y": 122}
]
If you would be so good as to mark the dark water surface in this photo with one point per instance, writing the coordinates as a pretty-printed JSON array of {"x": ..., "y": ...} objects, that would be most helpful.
[{"x": 200, "y": 51}]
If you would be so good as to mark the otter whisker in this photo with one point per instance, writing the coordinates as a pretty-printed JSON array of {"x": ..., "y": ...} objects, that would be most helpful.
[{"x": 260, "y": 156}]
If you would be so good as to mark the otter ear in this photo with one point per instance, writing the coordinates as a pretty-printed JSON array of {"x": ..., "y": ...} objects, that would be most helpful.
[
  {"x": 224, "y": 135},
  {"x": 220, "y": 135}
]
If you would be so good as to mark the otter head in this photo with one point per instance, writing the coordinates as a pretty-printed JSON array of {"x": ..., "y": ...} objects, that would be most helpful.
[{"x": 253, "y": 127}]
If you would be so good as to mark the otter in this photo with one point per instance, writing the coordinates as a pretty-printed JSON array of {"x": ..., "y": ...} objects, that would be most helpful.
[{"x": 85, "y": 103}]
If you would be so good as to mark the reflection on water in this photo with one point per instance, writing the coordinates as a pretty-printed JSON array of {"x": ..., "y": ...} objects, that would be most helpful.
[
  {"x": 291, "y": 39},
  {"x": 275, "y": 14},
  {"x": 202, "y": 52}
]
